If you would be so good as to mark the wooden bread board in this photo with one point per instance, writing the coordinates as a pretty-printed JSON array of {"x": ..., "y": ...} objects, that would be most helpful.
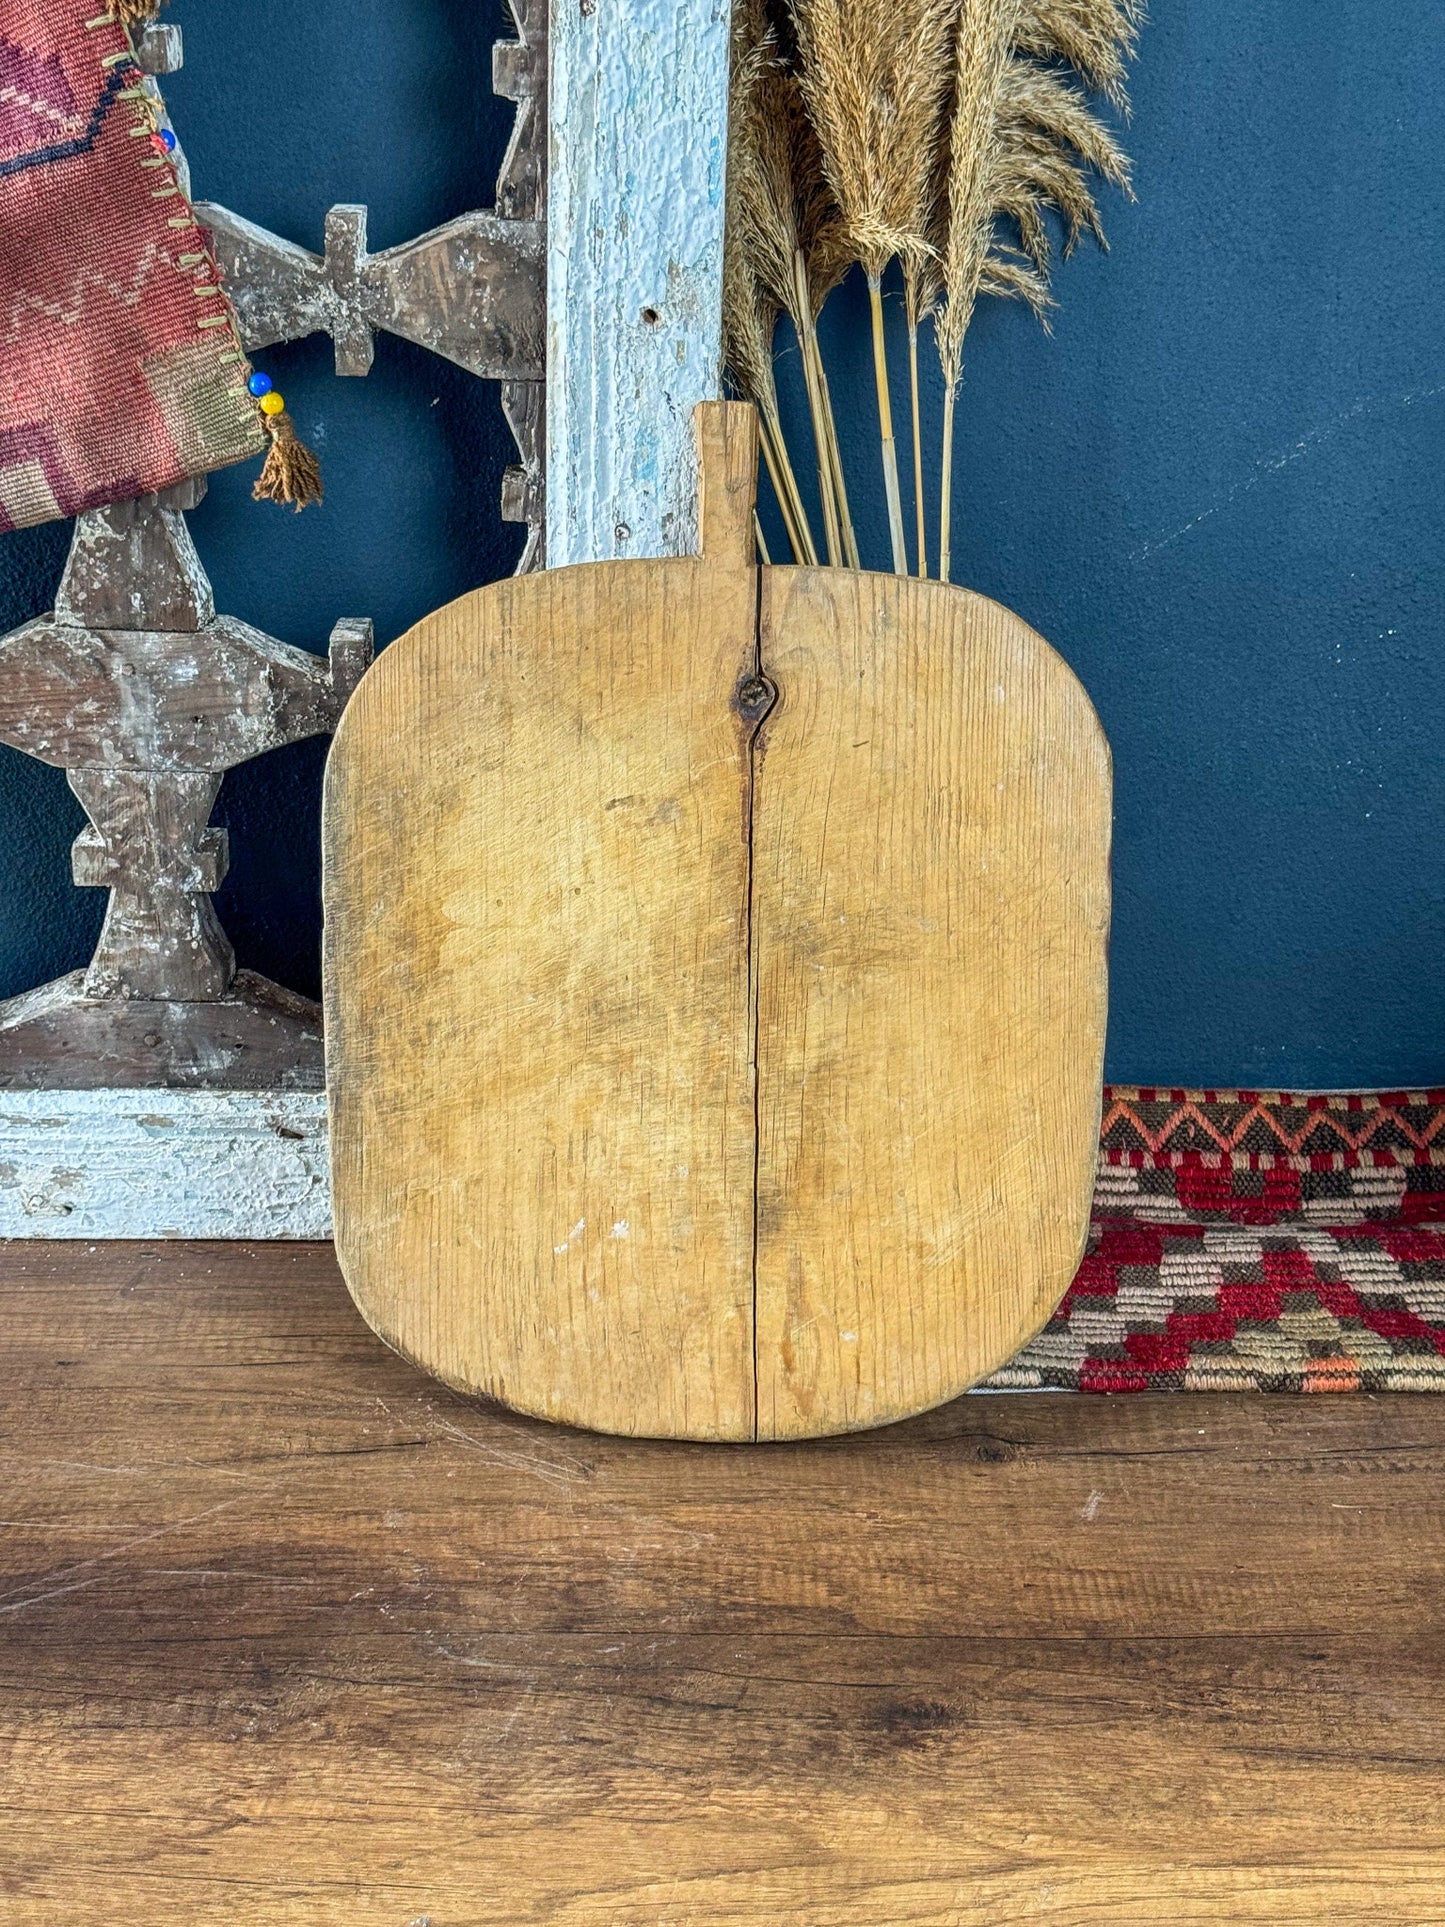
[{"x": 715, "y": 978}]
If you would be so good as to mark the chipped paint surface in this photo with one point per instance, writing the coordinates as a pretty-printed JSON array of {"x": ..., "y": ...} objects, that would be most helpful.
[
  {"x": 638, "y": 139},
  {"x": 163, "y": 1164}
]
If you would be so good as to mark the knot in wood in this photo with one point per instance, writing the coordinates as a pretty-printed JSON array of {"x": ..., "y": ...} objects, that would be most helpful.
[{"x": 755, "y": 697}]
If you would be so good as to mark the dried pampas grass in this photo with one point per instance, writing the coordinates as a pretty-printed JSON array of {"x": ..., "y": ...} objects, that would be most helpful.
[
  {"x": 784, "y": 253},
  {"x": 1022, "y": 141},
  {"x": 874, "y": 78},
  {"x": 943, "y": 134}
]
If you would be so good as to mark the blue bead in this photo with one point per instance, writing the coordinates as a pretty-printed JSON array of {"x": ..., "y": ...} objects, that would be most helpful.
[
  {"x": 260, "y": 384},
  {"x": 168, "y": 140}
]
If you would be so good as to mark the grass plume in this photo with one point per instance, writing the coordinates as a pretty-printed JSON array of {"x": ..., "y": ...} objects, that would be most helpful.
[
  {"x": 949, "y": 135},
  {"x": 874, "y": 76},
  {"x": 760, "y": 236},
  {"x": 781, "y": 213},
  {"x": 1022, "y": 142}
]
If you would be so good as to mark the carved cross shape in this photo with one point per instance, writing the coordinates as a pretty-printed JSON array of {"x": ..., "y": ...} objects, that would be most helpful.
[
  {"x": 145, "y": 696},
  {"x": 471, "y": 290}
]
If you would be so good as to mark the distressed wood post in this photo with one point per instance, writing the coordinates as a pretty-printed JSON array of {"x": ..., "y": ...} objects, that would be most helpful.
[{"x": 634, "y": 269}]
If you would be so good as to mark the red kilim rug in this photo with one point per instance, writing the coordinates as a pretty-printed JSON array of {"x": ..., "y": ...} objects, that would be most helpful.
[
  {"x": 1257, "y": 1241},
  {"x": 120, "y": 371}
]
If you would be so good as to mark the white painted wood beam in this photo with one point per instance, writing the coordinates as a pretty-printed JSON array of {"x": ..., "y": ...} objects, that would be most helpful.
[
  {"x": 634, "y": 265},
  {"x": 164, "y": 1164}
]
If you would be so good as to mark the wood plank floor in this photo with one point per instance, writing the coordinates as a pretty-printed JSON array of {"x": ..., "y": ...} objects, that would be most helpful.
[{"x": 290, "y": 1635}]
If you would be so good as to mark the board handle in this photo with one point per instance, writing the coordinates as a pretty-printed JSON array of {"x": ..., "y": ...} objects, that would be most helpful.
[{"x": 727, "y": 466}]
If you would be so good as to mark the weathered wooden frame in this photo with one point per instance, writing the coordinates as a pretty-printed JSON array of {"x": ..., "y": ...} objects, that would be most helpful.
[{"x": 634, "y": 154}]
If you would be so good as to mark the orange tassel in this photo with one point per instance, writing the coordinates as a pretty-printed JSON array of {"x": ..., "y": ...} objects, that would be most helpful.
[
  {"x": 134, "y": 15},
  {"x": 292, "y": 474}
]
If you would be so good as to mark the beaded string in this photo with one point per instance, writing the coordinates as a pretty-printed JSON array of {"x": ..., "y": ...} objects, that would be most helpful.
[{"x": 291, "y": 473}]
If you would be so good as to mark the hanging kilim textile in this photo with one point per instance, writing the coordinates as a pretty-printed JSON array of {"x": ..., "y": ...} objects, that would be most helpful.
[
  {"x": 120, "y": 370},
  {"x": 1257, "y": 1241}
]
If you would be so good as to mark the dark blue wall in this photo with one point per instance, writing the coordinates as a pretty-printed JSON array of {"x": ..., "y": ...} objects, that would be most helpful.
[{"x": 1217, "y": 488}]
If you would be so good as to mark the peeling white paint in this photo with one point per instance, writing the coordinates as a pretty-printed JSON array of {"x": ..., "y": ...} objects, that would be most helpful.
[
  {"x": 164, "y": 1164},
  {"x": 638, "y": 138}
]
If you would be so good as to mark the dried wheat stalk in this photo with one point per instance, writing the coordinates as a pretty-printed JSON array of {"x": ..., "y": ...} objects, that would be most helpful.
[
  {"x": 749, "y": 313},
  {"x": 922, "y": 286},
  {"x": 749, "y": 321}
]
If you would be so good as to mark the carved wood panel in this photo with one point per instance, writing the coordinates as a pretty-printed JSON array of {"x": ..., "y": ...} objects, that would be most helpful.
[{"x": 146, "y": 696}]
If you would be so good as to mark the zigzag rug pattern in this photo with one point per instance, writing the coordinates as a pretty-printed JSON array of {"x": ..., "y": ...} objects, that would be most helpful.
[
  {"x": 1257, "y": 1241},
  {"x": 82, "y": 140}
]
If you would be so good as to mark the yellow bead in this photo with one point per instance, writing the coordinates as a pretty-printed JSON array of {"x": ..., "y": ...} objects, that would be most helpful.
[{"x": 272, "y": 404}]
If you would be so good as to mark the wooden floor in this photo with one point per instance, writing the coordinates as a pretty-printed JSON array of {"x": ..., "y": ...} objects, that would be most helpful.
[{"x": 290, "y": 1635}]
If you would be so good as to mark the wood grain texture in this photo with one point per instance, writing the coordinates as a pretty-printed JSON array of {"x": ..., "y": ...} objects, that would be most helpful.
[
  {"x": 931, "y": 906},
  {"x": 536, "y": 969},
  {"x": 698, "y": 932},
  {"x": 291, "y": 1636},
  {"x": 258, "y": 1038}
]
